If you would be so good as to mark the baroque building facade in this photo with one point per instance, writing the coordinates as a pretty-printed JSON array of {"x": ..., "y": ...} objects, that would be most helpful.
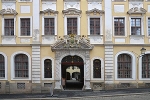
[{"x": 40, "y": 39}]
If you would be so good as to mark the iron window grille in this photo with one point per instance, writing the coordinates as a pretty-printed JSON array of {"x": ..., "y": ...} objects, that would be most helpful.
[
  {"x": 96, "y": 68},
  {"x": 47, "y": 68}
]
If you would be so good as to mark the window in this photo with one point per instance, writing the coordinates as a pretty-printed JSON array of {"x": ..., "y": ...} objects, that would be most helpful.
[
  {"x": 135, "y": 26},
  {"x": 148, "y": 26},
  {"x": 9, "y": 27},
  {"x": 21, "y": 65},
  {"x": 49, "y": 26},
  {"x": 146, "y": 66},
  {"x": 95, "y": 26},
  {"x": 72, "y": 26},
  {"x": 96, "y": 68},
  {"x": 47, "y": 68},
  {"x": 2, "y": 66},
  {"x": 119, "y": 26},
  {"x": 124, "y": 66},
  {"x": 25, "y": 26}
]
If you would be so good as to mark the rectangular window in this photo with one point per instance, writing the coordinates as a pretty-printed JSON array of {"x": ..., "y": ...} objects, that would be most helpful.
[
  {"x": 119, "y": 26},
  {"x": 72, "y": 26},
  {"x": 49, "y": 26},
  {"x": 9, "y": 27},
  {"x": 95, "y": 26},
  {"x": 148, "y": 26},
  {"x": 25, "y": 26},
  {"x": 135, "y": 26}
]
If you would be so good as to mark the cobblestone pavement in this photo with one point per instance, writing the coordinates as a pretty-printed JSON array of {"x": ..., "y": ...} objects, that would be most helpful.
[{"x": 125, "y": 94}]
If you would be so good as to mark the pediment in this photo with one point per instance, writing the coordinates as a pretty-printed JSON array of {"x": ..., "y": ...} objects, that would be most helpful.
[
  {"x": 8, "y": 11},
  {"x": 72, "y": 42},
  {"x": 136, "y": 10},
  {"x": 95, "y": 11},
  {"x": 71, "y": 11},
  {"x": 49, "y": 11}
]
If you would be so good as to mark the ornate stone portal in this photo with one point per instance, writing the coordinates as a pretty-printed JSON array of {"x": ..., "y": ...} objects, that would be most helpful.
[{"x": 72, "y": 45}]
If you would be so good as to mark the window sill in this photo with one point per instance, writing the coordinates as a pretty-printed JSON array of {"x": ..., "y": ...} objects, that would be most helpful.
[
  {"x": 47, "y": 79},
  {"x": 124, "y": 79},
  {"x": 1, "y": 78},
  {"x": 24, "y": 36},
  {"x": 7, "y": 36},
  {"x": 21, "y": 79}
]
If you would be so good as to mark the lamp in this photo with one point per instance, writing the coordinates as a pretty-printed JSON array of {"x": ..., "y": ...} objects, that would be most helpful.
[{"x": 143, "y": 51}]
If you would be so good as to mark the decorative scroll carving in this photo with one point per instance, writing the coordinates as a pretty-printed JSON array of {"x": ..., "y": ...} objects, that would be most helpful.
[
  {"x": 72, "y": 42},
  {"x": 49, "y": 11},
  {"x": 7, "y": 11},
  {"x": 136, "y": 10},
  {"x": 95, "y": 11},
  {"x": 71, "y": 11}
]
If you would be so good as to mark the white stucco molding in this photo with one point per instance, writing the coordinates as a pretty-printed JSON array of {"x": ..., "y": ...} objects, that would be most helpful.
[
  {"x": 72, "y": 11},
  {"x": 49, "y": 11},
  {"x": 136, "y": 10},
  {"x": 13, "y": 66},
  {"x": 5, "y": 61},
  {"x": 140, "y": 68},
  {"x": 8, "y": 11},
  {"x": 95, "y": 11},
  {"x": 102, "y": 69},
  {"x": 133, "y": 60},
  {"x": 42, "y": 63}
]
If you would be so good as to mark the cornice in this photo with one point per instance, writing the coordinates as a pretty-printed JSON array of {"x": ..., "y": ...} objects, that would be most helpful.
[
  {"x": 8, "y": 11},
  {"x": 95, "y": 11},
  {"x": 49, "y": 11},
  {"x": 71, "y": 0},
  {"x": 94, "y": 0},
  {"x": 71, "y": 11},
  {"x": 136, "y": 10},
  {"x": 48, "y": 0}
]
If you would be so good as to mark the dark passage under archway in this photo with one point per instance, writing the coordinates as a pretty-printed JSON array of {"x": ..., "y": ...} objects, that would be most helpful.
[{"x": 72, "y": 73}]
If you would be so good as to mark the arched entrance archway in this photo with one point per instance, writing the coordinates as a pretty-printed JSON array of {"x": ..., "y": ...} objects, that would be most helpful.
[{"x": 73, "y": 66}]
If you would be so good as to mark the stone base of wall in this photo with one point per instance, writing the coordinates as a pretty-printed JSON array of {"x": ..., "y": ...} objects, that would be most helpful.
[{"x": 26, "y": 87}]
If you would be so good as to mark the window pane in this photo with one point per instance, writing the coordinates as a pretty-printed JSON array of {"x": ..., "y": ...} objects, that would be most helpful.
[
  {"x": 146, "y": 66},
  {"x": 2, "y": 66},
  {"x": 95, "y": 26},
  {"x": 119, "y": 26},
  {"x": 49, "y": 26},
  {"x": 135, "y": 26},
  {"x": 96, "y": 68},
  {"x": 9, "y": 27},
  {"x": 21, "y": 65},
  {"x": 47, "y": 68},
  {"x": 124, "y": 66},
  {"x": 25, "y": 26},
  {"x": 71, "y": 26}
]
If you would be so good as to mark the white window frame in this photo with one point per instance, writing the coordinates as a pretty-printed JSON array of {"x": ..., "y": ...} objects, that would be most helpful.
[
  {"x": 42, "y": 63},
  {"x": 133, "y": 60},
  {"x": 102, "y": 69},
  {"x": 24, "y": 0},
  {"x": 140, "y": 68},
  {"x": 78, "y": 23},
  {"x": 3, "y": 22},
  {"x": 147, "y": 26},
  {"x": 101, "y": 25},
  {"x": 13, "y": 66},
  {"x": 19, "y": 25},
  {"x": 5, "y": 61},
  {"x": 55, "y": 21},
  {"x": 142, "y": 19},
  {"x": 125, "y": 28}
]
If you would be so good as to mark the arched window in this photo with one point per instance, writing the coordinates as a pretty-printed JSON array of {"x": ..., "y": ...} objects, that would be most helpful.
[
  {"x": 146, "y": 66},
  {"x": 21, "y": 65},
  {"x": 2, "y": 66},
  {"x": 96, "y": 68},
  {"x": 47, "y": 68},
  {"x": 124, "y": 66}
]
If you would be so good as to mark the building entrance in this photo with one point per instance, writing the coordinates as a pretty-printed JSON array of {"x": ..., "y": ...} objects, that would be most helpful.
[{"x": 72, "y": 73}]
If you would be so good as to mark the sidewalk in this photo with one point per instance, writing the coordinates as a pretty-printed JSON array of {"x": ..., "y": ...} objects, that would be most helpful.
[{"x": 77, "y": 94}]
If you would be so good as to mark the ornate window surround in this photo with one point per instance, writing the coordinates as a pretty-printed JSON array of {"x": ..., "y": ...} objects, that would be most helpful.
[
  {"x": 125, "y": 26},
  {"x": 133, "y": 66},
  {"x": 142, "y": 29},
  {"x": 140, "y": 68},
  {"x": 19, "y": 25},
  {"x": 71, "y": 13},
  {"x": 42, "y": 63},
  {"x": 13, "y": 66},
  {"x": 102, "y": 69},
  {"x": 5, "y": 58},
  {"x": 51, "y": 14}
]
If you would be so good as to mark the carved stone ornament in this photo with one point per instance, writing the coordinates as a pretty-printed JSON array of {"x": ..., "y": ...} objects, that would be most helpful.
[
  {"x": 49, "y": 11},
  {"x": 8, "y": 11},
  {"x": 136, "y": 10},
  {"x": 71, "y": 11},
  {"x": 95, "y": 11},
  {"x": 72, "y": 41}
]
